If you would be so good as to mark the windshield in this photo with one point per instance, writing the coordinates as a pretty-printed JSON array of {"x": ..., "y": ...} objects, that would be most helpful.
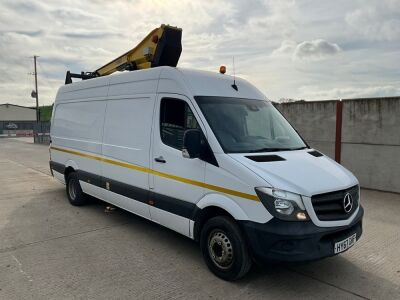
[{"x": 244, "y": 125}]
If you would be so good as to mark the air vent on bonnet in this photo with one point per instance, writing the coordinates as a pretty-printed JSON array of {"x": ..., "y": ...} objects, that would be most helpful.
[
  {"x": 315, "y": 153},
  {"x": 265, "y": 158}
]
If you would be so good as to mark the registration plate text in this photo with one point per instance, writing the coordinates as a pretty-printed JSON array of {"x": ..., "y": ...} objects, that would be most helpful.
[{"x": 345, "y": 244}]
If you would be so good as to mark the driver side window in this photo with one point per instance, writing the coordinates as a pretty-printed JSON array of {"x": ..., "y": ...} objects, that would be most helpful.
[{"x": 175, "y": 117}]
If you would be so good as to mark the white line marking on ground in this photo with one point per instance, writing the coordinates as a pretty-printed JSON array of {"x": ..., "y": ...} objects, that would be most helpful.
[{"x": 21, "y": 270}]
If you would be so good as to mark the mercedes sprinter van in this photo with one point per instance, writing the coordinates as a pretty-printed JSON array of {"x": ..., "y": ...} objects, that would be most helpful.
[{"x": 209, "y": 158}]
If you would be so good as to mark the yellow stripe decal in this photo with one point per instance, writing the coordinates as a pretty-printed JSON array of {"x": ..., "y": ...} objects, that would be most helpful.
[{"x": 161, "y": 174}]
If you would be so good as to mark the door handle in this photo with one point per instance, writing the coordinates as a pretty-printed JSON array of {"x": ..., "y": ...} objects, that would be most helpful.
[{"x": 160, "y": 159}]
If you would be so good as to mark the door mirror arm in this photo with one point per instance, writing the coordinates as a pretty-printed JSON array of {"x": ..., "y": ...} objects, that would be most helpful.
[{"x": 192, "y": 143}]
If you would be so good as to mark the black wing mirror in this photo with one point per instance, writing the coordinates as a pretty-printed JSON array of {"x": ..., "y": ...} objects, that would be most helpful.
[{"x": 192, "y": 144}]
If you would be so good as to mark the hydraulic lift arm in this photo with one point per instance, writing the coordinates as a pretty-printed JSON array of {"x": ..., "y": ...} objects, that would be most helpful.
[{"x": 161, "y": 47}]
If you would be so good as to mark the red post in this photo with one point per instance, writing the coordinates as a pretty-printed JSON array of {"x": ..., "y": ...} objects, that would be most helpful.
[{"x": 338, "y": 137}]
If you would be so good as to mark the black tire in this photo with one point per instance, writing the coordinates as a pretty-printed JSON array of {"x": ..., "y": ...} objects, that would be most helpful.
[
  {"x": 221, "y": 236},
  {"x": 74, "y": 191}
]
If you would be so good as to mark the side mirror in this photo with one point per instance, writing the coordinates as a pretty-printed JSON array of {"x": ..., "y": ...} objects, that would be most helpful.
[{"x": 192, "y": 143}]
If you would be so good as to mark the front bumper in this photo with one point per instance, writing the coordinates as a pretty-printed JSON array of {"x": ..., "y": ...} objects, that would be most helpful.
[{"x": 279, "y": 240}]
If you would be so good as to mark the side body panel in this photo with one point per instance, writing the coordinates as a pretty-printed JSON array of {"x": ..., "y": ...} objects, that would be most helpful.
[
  {"x": 127, "y": 134},
  {"x": 231, "y": 175},
  {"x": 78, "y": 126}
]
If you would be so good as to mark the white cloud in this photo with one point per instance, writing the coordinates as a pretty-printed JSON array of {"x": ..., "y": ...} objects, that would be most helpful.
[
  {"x": 307, "y": 50},
  {"x": 315, "y": 50},
  {"x": 380, "y": 21},
  {"x": 286, "y": 48}
]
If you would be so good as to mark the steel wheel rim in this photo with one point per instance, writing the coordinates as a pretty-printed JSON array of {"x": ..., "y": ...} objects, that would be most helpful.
[{"x": 220, "y": 249}]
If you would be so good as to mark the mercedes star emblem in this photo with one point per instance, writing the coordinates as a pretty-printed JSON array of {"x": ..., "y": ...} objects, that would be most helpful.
[{"x": 347, "y": 203}]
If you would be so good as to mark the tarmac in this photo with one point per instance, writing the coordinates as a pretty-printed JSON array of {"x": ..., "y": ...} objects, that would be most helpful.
[{"x": 52, "y": 250}]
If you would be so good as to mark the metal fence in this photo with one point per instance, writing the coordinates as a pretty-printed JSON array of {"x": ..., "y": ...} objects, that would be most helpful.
[
  {"x": 16, "y": 128},
  {"x": 16, "y": 125},
  {"x": 41, "y": 133}
]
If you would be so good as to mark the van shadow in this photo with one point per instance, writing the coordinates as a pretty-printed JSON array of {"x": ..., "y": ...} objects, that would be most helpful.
[{"x": 178, "y": 259}]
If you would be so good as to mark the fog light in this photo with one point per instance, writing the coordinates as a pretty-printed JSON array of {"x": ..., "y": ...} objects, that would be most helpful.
[{"x": 301, "y": 216}]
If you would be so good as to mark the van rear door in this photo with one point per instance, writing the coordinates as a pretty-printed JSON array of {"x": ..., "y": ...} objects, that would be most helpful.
[{"x": 176, "y": 181}]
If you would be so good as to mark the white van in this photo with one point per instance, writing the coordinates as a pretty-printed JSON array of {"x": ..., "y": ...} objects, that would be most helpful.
[{"x": 208, "y": 158}]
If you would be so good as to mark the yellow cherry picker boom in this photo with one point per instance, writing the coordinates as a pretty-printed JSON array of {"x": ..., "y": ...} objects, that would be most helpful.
[{"x": 161, "y": 47}]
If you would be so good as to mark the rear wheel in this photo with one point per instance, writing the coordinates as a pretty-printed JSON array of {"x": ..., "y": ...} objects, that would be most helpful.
[
  {"x": 224, "y": 248},
  {"x": 74, "y": 191}
]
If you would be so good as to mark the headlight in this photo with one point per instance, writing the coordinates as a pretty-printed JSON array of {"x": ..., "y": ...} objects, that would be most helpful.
[
  {"x": 282, "y": 204},
  {"x": 284, "y": 207}
]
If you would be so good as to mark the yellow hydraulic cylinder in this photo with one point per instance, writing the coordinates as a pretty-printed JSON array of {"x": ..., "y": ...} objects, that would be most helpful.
[{"x": 149, "y": 52}]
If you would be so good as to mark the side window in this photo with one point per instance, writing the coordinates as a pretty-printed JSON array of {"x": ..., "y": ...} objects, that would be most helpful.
[{"x": 175, "y": 117}]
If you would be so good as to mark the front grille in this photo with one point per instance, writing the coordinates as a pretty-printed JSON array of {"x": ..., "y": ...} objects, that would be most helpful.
[{"x": 330, "y": 206}]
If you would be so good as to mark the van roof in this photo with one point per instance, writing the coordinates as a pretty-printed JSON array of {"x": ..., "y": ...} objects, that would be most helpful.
[{"x": 162, "y": 80}]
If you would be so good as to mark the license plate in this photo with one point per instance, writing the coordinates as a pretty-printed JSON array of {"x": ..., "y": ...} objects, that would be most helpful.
[{"x": 345, "y": 244}]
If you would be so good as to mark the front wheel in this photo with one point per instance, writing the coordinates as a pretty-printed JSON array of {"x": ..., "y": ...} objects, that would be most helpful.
[
  {"x": 224, "y": 248},
  {"x": 74, "y": 191}
]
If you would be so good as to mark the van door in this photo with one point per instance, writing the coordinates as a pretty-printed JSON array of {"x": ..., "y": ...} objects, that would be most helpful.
[
  {"x": 176, "y": 185},
  {"x": 126, "y": 147}
]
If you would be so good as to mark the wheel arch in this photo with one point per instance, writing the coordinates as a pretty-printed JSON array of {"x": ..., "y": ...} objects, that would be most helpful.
[
  {"x": 70, "y": 166},
  {"x": 213, "y": 205}
]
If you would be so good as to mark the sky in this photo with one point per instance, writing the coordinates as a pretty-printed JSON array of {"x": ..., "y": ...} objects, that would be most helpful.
[{"x": 311, "y": 50}]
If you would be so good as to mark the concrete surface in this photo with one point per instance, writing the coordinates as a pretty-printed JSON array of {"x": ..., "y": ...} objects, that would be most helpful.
[
  {"x": 52, "y": 250},
  {"x": 370, "y": 136},
  {"x": 371, "y": 141}
]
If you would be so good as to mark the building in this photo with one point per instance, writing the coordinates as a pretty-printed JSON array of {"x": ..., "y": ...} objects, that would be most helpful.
[
  {"x": 11, "y": 112},
  {"x": 16, "y": 120}
]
